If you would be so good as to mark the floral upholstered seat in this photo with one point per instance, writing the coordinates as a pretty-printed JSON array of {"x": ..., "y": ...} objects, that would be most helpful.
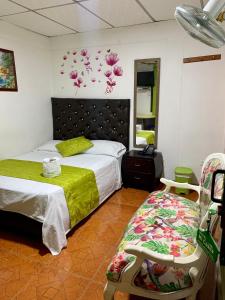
[
  {"x": 159, "y": 257},
  {"x": 167, "y": 224}
]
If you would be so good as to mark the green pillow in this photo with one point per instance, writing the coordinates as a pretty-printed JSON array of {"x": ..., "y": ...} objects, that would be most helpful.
[{"x": 74, "y": 146}]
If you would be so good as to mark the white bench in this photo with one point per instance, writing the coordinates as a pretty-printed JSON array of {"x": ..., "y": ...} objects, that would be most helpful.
[{"x": 159, "y": 257}]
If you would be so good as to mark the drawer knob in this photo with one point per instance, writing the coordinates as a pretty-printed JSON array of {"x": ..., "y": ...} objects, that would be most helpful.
[
  {"x": 137, "y": 165},
  {"x": 138, "y": 178}
]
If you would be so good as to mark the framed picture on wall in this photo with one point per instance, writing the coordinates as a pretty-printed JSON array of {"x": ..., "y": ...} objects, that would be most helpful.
[{"x": 8, "y": 80}]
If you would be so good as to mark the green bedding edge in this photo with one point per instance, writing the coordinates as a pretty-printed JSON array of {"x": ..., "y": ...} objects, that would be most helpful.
[
  {"x": 148, "y": 135},
  {"x": 79, "y": 184}
]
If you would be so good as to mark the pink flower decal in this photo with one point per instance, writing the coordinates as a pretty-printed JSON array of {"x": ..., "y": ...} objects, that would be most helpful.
[
  {"x": 111, "y": 83},
  {"x": 175, "y": 250},
  {"x": 73, "y": 75},
  {"x": 85, "y": 60},
  {"x": 79, "y": 80},
  {"x": 87, "y": 65},
  {"x": 111, "y": 59},
  {"x": 159, "y": 270},
  {"x": 82, "y": 63},
  {"x": 76, "y": 84},
  {"x": 140, "y": 229},
  {"x": 108, "y": 73},
  {"x": 179, "y": 273},
  {"x": 118, "y": 71},
  {"x": 83, "y": 52}
]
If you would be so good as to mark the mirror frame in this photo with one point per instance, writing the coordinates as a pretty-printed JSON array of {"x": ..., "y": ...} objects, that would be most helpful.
[{"x": 157, "y": 62}]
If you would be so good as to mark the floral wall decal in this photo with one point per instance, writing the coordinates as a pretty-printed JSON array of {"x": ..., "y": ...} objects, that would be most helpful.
[
  {"x": 111, "y": 60},
  {"x": 92, "y": 68}
]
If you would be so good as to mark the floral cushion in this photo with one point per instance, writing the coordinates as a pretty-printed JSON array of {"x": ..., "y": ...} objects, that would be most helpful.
[{"x": 166, "y": 224}]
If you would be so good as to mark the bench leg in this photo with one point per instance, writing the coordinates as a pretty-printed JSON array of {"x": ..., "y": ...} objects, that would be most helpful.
[{"x": 109, "y": 291}]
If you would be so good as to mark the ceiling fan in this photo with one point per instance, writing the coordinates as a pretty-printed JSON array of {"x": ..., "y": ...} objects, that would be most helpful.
[{"x": 202, "y": 24}]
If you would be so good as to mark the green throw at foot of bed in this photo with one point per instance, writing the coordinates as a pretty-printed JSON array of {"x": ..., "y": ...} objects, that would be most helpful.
[
  {"x": 149, "y": 135},
  {"x": 79, "y": 184}
]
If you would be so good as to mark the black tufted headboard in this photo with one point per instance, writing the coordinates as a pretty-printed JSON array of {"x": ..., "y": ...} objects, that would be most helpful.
[{"x": 102, "y": 119}]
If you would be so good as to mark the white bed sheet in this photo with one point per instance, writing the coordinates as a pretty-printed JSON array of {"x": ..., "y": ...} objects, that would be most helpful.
[
  {"x": 141, "y": 140},
  {"x": 46, "y": 203}
]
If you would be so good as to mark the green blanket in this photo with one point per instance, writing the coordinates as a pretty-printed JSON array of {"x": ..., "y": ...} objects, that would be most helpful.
[
  {"x": 79, "y": 184},
  {"x": 149, "y": 135}
]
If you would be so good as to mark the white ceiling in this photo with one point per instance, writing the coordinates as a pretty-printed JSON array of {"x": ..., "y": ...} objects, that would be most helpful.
[{"x": 57, "y": 17}]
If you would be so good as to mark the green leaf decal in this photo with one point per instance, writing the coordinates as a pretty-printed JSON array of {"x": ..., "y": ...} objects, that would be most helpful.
[
  {"x": 159, "y": 195},
  {"x": 171, "y": 287},
  {"x": 187, "y": 280},
  {"x": 207, "y": 181},
  {"x": 188, "y": 202},
  {"x": 129, "y": 226},
  {"x": 166, "y": 213},
  {"x": 156, "y": 246},
  {"x": 150, "y": 221},
  {"x": 146, "y": 206},
  {"x": 131, "y": 258},
  {"x": 132, "y": 237},
  {"x": 186, "y": 231}
]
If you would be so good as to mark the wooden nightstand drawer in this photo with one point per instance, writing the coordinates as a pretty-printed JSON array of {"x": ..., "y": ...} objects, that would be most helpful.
[
  {"x": 140, "y": 178},
  {"x": 140, "y": 165}
]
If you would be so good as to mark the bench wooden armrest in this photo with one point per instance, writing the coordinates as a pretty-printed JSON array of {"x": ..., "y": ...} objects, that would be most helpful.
[
  {"x": 171, "y": 183},
  {"x": 165, "y": 259}
]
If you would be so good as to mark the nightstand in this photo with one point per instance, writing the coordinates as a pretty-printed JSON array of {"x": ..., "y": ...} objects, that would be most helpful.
[{"x": 142, "y": 171}]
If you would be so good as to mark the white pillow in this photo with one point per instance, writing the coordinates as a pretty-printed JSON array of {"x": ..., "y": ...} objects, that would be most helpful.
[
  {"x": 49, "y": 146},
  {"x": 105, "y": 147}
]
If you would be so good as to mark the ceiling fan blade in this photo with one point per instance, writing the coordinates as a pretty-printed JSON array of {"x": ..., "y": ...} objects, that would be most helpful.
[{"x": 201, "y": 25}]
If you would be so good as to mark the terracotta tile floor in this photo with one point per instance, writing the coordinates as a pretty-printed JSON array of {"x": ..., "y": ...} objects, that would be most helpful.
[{"x": 28, "y": 271}]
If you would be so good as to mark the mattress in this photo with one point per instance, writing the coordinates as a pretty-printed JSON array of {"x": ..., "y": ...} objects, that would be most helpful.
[
  {"x": 46, "y": 203},
  {"x": 140, "y": 141},
  {"x": 145, "y": 137}
]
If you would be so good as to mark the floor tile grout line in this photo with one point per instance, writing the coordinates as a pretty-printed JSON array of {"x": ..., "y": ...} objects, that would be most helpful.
[
  {"x": 92, "y": 280},
  {"x": 23, "y": 289}
]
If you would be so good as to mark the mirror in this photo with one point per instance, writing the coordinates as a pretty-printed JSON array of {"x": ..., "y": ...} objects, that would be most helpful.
[{"x": 146, "y": 101}]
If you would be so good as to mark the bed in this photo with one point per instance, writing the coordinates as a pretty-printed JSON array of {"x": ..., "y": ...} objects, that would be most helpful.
[
  {"x": 45, "y": 203},
  {"x": 145, "y": 137}
]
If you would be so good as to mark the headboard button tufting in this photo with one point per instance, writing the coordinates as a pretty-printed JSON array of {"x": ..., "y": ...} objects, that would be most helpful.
[{"x": 96, "y": 118}]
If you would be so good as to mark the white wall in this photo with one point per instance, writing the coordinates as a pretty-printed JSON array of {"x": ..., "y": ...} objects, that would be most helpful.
[
  {"x": 191, "y": 107},
  {"x": 25, "y": 116}
]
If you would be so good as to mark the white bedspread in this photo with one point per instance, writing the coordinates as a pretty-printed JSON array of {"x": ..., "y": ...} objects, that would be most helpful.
[{"x": 46, "y": 203}]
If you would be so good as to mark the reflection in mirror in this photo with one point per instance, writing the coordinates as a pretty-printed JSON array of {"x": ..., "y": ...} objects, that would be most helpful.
[{"x": 146, "y": 101}]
